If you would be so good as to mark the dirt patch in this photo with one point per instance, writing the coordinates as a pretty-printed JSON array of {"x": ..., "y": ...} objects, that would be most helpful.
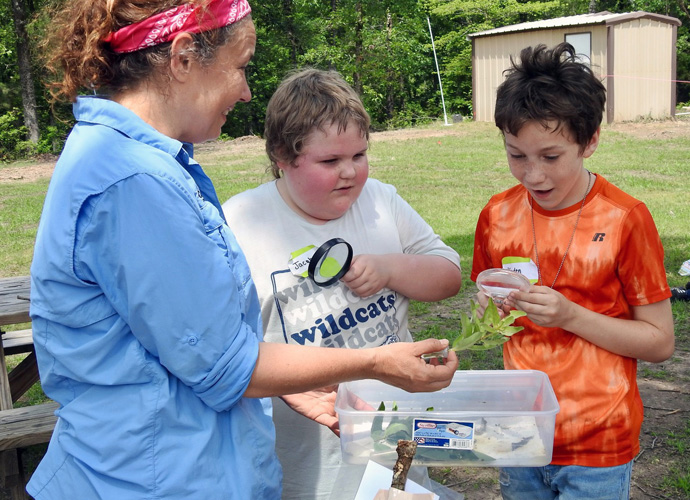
[
  {"x": 661, "y": 129},
  {"x": 419, "y": 133},
  {"x": 43, "y": 167},
  {"x": 27, "y": 173},
  {"x": 250, "y": 144}
]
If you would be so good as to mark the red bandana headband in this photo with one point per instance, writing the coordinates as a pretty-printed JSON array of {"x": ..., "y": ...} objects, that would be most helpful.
[{"x": 163, "y": 27}]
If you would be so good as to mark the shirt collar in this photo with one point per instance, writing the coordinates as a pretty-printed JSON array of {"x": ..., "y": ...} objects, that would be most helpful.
[{"x": 102, "y": 111}]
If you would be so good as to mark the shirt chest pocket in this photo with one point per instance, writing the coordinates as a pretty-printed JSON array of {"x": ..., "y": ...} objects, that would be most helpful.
[{"x": 218, "y": 232}]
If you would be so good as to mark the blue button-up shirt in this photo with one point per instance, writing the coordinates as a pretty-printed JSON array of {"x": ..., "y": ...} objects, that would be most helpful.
[{"x": 146, "y": 325}]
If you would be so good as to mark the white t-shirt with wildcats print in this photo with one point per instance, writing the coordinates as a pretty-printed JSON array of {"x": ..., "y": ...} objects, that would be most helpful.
[{"x": 296, "y": 310}]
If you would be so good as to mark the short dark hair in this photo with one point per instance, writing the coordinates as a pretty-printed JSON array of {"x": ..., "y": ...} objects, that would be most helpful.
[{"x": 550, "y": 85}]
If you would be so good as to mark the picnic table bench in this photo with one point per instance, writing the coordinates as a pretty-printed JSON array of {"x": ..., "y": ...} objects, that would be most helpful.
[{"x": 19, "y": 427}]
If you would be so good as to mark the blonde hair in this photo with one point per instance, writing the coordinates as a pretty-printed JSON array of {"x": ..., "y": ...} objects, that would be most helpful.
[{"x": 307, "y": 100}]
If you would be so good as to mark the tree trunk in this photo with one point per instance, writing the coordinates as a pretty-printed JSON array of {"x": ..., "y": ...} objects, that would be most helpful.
[
  {"x": 26, "y": 79},
  {"x": 390, "y": 100},
  {"x": 592, "y": 6},
  {"x": 290, "y": 30},
  {"x": 359, "y": 48},
  {"x": 332, "y": 31}
]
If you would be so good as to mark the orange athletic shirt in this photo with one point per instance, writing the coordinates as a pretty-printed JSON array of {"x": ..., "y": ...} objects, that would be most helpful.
[{"x": 615, "y": 261}]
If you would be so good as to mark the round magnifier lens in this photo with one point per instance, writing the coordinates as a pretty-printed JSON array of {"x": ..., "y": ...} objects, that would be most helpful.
[
  {"x": 330, "y": 262},
  {"x": 498, "y": 283}
]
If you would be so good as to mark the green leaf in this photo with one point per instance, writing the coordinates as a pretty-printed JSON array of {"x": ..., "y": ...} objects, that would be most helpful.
[
  {"x": 480, "y": 333},
  {"x": 398, "y": 430},
  {"x": 466, "y": 339},
  {"x": 491, "y": 316},
  {"x": 377, "y": 424},
  {"x": 494, "y": 342},
  {"x": 509, "y": 331},
  {"x": 514, "y": 314},
  {"x": 465, "y": 323}
]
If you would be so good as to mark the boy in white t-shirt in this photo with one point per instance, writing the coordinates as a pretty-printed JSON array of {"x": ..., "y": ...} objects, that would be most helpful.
[{"x": 317, "y": 133}]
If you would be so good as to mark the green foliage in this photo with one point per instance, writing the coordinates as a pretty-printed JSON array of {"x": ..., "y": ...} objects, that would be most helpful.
[
  {"x": 683, "y": 63},
  {"x": 12, "y": 135},
  {"x": 51, "y": 137},
  {"x": 383, "y": 48},
  {"x": 455, "y": 19},
  {"x": 9, "y": 79},
  {"x": 380, "y": 48},
  {"x": 479, "y": 333}
]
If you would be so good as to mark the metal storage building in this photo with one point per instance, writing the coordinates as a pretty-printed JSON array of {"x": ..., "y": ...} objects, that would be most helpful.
[{"x": 634, "y": 53}]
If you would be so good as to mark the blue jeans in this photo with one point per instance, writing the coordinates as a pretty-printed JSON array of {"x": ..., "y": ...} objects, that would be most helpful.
[{"x": 566, "y": 482}]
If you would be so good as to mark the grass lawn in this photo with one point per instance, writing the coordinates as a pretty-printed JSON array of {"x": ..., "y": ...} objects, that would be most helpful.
[{"x": 447, "y": 173}]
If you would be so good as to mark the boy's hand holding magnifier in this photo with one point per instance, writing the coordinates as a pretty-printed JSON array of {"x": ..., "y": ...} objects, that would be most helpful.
[
  {"x": 333, "y": 261},
  {"x": 365, "y": 274}
]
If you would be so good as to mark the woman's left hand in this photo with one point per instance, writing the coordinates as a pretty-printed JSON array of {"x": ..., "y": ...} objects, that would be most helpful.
[{"x": 317, "y": 405}]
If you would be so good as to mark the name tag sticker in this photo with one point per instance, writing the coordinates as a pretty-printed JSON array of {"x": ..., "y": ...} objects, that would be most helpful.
[
  {"x": 300, "y": 259},
  {"x": 522, "y": 265},
  {"x": 324, "y": 265}
]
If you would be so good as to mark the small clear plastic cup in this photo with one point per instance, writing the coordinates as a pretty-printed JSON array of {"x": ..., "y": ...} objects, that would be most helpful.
[{"x": 498, "y": 283}]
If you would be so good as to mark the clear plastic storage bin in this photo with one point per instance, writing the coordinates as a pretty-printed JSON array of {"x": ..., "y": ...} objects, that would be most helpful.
[{"x": 486, "y": 418}]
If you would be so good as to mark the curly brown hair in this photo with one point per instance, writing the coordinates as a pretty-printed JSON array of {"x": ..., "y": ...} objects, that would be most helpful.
[{"x": 78, "y": 59}]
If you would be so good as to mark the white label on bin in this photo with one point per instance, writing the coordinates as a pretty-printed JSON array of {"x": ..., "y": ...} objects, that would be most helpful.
[{"x": 443, "y": 434}]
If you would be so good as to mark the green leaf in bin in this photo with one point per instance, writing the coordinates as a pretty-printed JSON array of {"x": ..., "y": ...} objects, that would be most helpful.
[
  {"x": 377, "y": 424},
  {"x": 398, "y": 430}
]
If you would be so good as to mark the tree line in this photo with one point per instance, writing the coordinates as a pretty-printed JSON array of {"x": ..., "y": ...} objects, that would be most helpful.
[{"x": 382, "y": 47}]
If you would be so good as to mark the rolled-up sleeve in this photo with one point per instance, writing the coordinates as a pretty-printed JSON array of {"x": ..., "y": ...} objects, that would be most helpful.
[{"x": 176, "y": 277}]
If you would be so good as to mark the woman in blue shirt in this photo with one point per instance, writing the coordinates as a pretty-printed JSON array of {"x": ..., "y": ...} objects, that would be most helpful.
[{"x": 145, "y": 317}]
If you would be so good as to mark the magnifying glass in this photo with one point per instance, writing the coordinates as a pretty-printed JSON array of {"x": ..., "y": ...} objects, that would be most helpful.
[{"x": 330, "y": 262}]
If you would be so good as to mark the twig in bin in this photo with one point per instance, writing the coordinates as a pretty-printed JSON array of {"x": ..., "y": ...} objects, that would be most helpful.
[{"x": 406, "y": 450}]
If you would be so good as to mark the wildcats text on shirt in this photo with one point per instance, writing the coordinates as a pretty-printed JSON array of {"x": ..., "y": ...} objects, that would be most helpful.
[{"x": 334, "y": 316}]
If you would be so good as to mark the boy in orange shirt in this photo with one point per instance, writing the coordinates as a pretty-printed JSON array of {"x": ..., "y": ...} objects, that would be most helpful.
[{"x": 599, "y": 300}]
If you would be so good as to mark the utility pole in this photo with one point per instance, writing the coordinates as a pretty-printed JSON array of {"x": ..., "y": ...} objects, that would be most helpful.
[{"x": 438, "y": 72}]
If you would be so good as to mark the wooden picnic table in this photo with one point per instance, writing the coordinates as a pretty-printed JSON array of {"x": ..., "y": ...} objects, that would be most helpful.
[
  {"x": 14, "y": 309},
  {"x": 14, "y": 300},
  {"x": 19, "y": 427}
]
